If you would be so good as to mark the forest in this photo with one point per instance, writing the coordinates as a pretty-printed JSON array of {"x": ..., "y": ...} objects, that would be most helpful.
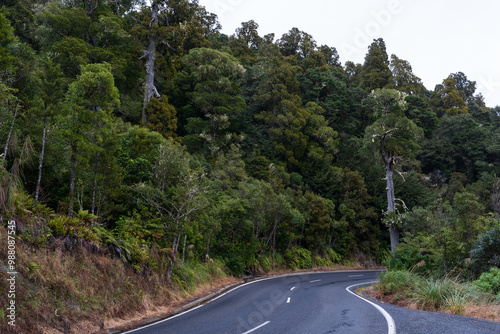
[{"x": 141, "y": 131}]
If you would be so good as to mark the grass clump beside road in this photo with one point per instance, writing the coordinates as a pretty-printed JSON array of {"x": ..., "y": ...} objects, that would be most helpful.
[{"x": 448, "y": 295}]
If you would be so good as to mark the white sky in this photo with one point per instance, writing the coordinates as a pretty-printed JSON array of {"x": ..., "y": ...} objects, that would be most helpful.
[{"x": 437, "y": 37}]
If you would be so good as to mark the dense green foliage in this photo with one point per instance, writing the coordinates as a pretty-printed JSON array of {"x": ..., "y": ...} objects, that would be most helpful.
[{"x": 253, "y": 152}]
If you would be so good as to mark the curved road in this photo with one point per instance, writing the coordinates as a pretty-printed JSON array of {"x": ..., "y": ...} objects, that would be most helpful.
[{"x": 311, "y": 303}]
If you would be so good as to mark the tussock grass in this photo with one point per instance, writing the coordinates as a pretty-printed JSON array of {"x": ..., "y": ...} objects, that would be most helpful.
[
  {"x": 437, "y": 294},
  {"x": 398, "y": 282},
  {"x": 431, "y": 294}
]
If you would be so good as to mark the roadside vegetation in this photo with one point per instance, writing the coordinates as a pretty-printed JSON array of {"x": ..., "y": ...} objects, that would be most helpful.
[{"x": 420, "y": 288}]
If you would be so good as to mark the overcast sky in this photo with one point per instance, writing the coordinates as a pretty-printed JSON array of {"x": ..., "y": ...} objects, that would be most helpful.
[{"x": 437, "y": 37}]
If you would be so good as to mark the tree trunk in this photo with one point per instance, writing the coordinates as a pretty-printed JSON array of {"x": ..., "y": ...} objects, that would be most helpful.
[
  {"x": 391, "y": 203},
  {"x": 149, "y": 87},
  {"x": 93, "y": 195},
  {"x": 72, "y": 184},
  {"x": 175, "y": 246},
  {"x": 6, "y": 149},
  {"x": 94, "y": 187},
  {"x": 44, "y": 138},
  {"x": 184, "y": 249}
]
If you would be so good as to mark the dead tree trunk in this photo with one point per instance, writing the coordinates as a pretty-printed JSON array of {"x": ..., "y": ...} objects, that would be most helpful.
[
  {"x": 72, "y": 183},
  {"x": 391, "y": 203},
  {"x": 6, "y": 149},
  {"x": 40, "y": 166},
  {"x": 150, "y": 53}
]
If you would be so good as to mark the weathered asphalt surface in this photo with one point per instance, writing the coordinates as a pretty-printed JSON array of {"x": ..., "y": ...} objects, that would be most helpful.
[{"x": 310, "y": 303}]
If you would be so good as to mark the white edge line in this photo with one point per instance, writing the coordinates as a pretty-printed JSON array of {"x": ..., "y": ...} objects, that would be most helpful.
[
  {"x": 390, "y": 321},
  {"x": 355, "y": 276},
  {"x": 254, "y": 329},
  {"x": 316, "y": 280},
  {"x": 235, "y": 288}
]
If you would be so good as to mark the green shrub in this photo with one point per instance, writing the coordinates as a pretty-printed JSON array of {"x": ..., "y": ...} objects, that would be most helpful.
[
  {"x": 235, "y": 264},
  {"x": 278, "y": 260},
  {"x": 408, "y": 258},
  {"x": 334, "y": 256},
  {"x": 489, "y": 281},
  {"x": 322, "y": 262},
  {"x": 36, "y": 234},
  {"x": 298, "y": 258},
  {"x": 486, "y": 251},
  {"x": 265, "y": 262},
  {"x": 63, "y": 226}
]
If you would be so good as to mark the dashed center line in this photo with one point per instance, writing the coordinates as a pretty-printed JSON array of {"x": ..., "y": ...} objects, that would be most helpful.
[
  {"x": 254, "y": 329},
  {"x": 292, "y": 288},
  {"x": 318, "y": 280},
  {"x": 288, "y": 300}
]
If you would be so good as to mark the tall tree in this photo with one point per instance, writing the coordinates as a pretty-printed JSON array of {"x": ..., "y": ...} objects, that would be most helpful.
[
  {"x": 393, "y": 137},
  {"x": 174, "y": 193},
  {"x": 403, "y": 78},
  {"x": 90, "y": 99},
  {"x": 296, "y": 43},
  {"x": 331, "y": 56},
  {"x": 376, "y": 72},
  {"x": 50, "y": 97},
  {"x": 446, "y": 99},
  {"x": 150, "y": 53},
  {"x": 245, "y": 43},
  {"x": 249, "y": 34},
  {"x": 216, "y": 94},
  {"x": 168, "y": 30},
  {"x": 465, "y": 87},
  {"x": 7, "y": 39}
]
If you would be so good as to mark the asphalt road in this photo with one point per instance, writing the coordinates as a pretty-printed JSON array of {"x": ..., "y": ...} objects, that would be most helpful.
[{"x": 311, "y": 303}]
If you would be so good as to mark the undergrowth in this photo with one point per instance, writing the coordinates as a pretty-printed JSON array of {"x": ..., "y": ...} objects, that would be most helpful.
[{"x": 439, "y": 294}]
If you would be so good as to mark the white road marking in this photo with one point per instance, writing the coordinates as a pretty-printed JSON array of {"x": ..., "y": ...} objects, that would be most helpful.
[
  {"x": 288, "y": 300},
  {"x": 356, "y": 275},
  {"x": 390, "y": 322},
  {"x": 318, "y": 280},
  {"x": 254, "y": 329},
  {"x": 292, "y": 288}
]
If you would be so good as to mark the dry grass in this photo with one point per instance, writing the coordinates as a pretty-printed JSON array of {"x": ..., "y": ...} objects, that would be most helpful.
[{"x": 483, "y": 311}]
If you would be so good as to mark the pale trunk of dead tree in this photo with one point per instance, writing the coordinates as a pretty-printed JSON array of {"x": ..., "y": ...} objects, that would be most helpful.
[
  {"x": 94, "y": 187},
  {"x": 149, "y": 87},
  {"x": 391, "y": 204},
  {"x": 6, "y": 148},
  {"x": 72, "y": 184},
  {"x": 40, "y": 166},
  {"x": 93, "y": 194}
]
